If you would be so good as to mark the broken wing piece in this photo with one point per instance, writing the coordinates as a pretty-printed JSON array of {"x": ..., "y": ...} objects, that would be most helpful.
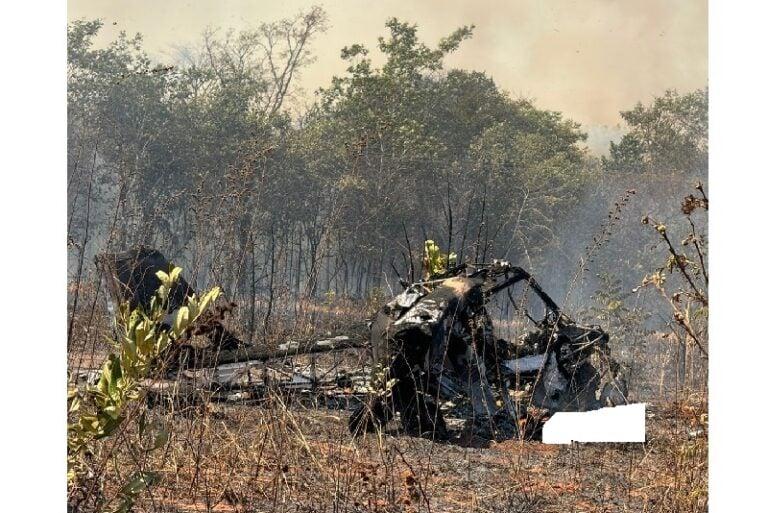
[{"x": 131, "y": 276}]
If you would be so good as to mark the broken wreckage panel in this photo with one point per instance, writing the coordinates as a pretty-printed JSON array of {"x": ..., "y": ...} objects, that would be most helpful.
[{"x": 434, "y": 350}]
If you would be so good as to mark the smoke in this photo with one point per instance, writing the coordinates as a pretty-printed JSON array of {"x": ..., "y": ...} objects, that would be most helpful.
[
  {"x": 599, "y": 137},
  {"x": 588, "y": 59},
  {"x": 626, "y": 249}
]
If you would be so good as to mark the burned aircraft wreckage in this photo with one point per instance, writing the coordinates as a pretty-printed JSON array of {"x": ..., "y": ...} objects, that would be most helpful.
[{"x": 432, "y": 351}]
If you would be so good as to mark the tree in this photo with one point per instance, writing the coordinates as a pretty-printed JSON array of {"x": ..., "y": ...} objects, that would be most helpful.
[
  {"x": 388, "y": 157},
  {"x": 670, "y": 135},
  {"x": 162, "y": 131},
  {"x": 443, "y": 155}
]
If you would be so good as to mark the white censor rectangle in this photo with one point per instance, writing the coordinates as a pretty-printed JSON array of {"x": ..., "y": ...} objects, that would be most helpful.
[{"x": 614, "y": 424}]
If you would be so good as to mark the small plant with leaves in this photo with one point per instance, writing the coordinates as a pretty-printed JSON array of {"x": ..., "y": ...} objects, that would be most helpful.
[
  {"x": 689, "y": 302},
  {"x": 435, "y": 262},
  {"x": 613, "y": 309},
  {"x": 98, "y": 411}
]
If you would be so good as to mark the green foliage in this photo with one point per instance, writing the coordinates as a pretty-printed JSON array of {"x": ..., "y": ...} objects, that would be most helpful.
[
  {"x": 140, "y": 481},
  {"x": 416, "y": 147},
  {"x": 618, "y": 312},
  {"x": 435, "y": 262},
  {"x": 662, "y": 155},
  {"x": 669, "y": 135},
  {"x": 380, "y": 384},
  {"x": 425, "y": 149},
  {"x": 158, "y": 133},
  {"x": 98, "y": 411},
  {"x": 395, "y": 148}
]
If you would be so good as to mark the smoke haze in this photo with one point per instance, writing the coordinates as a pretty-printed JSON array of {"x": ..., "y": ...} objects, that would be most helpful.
[{"x": 588, "y": 59}]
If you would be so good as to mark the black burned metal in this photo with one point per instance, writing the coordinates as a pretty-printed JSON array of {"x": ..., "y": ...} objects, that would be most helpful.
[
  {"x": 131, "y": 277},
  {"x": 433, "y": 345},
  {"x": 435, "y": 341}
]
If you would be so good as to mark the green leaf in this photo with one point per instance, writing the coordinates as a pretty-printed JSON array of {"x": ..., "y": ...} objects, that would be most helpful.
[
  {"x": 163, "y": 277},
  {"x": 159, "y": 436},
  {"x": 108, "y": 427},
  {"x": 209, "y": 297},
  {"x": 141, "y": 341},
  {"x": 111, "y": 371},
  {"x": 175, "y": 273},
  {"x": 74, "y": 404},
  {"x": 139, "y": 482},
  {"x": 182, "y": 321}
]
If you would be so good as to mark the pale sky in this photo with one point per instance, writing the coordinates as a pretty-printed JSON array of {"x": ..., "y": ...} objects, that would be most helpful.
[{"x": 586, "y": 58}]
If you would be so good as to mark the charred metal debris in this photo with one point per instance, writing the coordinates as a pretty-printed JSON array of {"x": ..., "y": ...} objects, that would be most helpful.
[{"x": 430, "y": 356}]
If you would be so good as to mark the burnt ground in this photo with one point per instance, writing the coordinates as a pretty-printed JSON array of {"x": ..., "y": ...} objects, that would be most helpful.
[
  {"x": 292, "y": 458},
  {"x": 277, "y": 458}
]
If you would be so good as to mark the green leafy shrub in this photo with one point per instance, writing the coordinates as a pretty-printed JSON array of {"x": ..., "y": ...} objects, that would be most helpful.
[
  {"x": 435, "y": 262},
  {"x": 98, "y": 411}
]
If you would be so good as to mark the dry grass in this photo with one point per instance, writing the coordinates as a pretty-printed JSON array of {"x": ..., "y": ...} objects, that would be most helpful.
[{"x": 279, "y": 457}]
